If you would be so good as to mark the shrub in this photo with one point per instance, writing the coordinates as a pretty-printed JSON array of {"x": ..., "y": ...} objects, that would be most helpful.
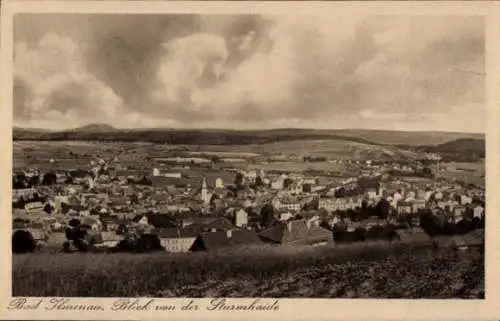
[{"x": 23, "y": 242}]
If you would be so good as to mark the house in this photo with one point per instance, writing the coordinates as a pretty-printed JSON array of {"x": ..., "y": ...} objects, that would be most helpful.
[
  {"x": 176, "y": 240},
  {"x": 23, "y": 192},
  {"x": 210, "y": 241},
  {"x": 241, "y": 218},
  {"x": 278, "y": 184},
  {"x": 295, "y": 188},
  {"x": 404, "y": 208},
  {"x": 418, "y": 205},
  {"x": 219, "y": 183},
  {"x": 141, "y": 219},
  {"x": 339, "y": 204},
  {"x": 219, "y": 224},
  {"x": 297, "y": 232},
  {"x": 285, "y": 215},
  {"x": 458, "y": 213},
  {"x": 106, "y": 239},
  {"x": 478, "y": 212},
  {"x": 464, "y": 199},
  {"x": 111, "y": 223},
  {"x": 93, "y": 223},
  {"x": 371, "y": 193},
  {"x": 289, "y": 203},
  {"x": 34, "y": 208}
]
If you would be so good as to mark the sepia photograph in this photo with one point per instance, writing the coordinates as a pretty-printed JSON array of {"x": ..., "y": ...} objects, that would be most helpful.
[{"x": 253, "y": 155}]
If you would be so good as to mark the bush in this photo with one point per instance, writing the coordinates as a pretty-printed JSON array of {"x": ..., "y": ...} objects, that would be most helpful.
[
  {"x": 23, "y": 242},
  {"x": 140, "y": 244}
]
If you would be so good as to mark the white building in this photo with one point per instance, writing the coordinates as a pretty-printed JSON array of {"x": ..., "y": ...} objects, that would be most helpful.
[
  {"x": 205, "y": 194},
  {"x": 340, "y": 204},
  {"x": 173, "y": 175},
  {"x": 219, "y": 183},
  {"x": 241, "y": 218}
]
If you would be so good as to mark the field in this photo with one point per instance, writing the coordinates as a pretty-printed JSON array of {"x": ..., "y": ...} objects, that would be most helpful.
[
  {"x": 466, "y": 172},
  {"x": 298, "y": 166},
  {"x": 356, "y": 271},
  {"x": 39, "y": 154}
]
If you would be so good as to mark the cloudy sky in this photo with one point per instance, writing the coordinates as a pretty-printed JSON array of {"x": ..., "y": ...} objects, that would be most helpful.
[{"x": 238, "y": 71}]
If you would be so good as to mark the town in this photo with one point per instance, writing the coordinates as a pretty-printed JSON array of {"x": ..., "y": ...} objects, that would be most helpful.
[{"x": 109, "y": 196}]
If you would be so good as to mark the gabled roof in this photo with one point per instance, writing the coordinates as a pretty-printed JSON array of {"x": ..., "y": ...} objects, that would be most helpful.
[
  {"x": 160, "y": 220},
  {"x": 108, "y": 219},
  {"x": 171, "y": 232},
  {"x": 217, "y": 240},
  {"x": 295, "y": 231},
  {"x": 168, "y": 232},
  {"x": 89, "y": 221},
  {"x": 108, "y": 237},
  {"x": 138, "y": 217}
]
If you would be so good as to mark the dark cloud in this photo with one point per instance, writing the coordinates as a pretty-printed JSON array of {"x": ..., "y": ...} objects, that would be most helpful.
[{"x": 223, "y": 70}]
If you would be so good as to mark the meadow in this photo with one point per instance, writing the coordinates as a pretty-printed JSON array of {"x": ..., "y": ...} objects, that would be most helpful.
[
  {"x": 465, "y": 172},
  {"x": 356, "y": 271}
]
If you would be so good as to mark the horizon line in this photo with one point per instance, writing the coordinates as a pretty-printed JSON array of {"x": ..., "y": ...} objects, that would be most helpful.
[{"x": 248, "y": 129}]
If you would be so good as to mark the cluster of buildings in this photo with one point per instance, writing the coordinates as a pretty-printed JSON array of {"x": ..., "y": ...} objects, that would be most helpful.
[{"x": 199, "y": 208}]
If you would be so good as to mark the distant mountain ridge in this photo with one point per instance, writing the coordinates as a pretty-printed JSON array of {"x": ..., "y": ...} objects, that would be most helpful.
[
  {"x": 106, "y": 132},
  {"x": 95, "y": 128}
]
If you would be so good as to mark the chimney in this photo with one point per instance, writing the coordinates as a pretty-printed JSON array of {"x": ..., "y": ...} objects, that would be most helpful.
[{"x": 229, "y": 234}]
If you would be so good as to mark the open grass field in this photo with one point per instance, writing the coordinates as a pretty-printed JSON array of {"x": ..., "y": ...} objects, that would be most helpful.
[
  {"x": 357, "y": 271},
  {"x": 466, "y": 172},
  {"x": 298, "y": 166},
  {"x": 36, "y": 153}
]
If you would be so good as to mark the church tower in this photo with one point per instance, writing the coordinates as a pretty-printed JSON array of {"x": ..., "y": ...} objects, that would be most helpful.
[{"x": 205, "y": 195}]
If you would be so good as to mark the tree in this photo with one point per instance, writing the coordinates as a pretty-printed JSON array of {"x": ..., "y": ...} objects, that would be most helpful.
[
  {"x": 21, "y": 202},
  {"x": 430, "y": 223},
  {"x": 287, "y": 182},
  {"x": 79, "y": 237},
  {"x": 34, "y": 181},
  {"x": 259, "y": 182},
  {"x": 427, "y": 172},
  {"x": 49, "y": 179},
  {"x": 382, "y": 208},
  {"x": 306, "y": 188},
  {"x": 69, "y": 180},
  {"x": 267, "y": 215},
  {"x": 65, "y": 208},
  {"x": 23, "y": 242},
  {"x": 48, "y": 208},
  {"x": 19, "y": 181},
  {"x": 238, "y": 180},
  {"x": 140, "y": 243},
  {"x": 74, "y": 222},
  {"x": 360, "y": 233}
]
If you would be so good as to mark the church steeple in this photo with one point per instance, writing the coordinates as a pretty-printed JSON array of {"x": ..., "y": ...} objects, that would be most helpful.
[{"x": 205, "y": 196}]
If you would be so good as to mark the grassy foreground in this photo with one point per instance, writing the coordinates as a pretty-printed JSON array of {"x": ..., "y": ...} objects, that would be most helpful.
[{"x": 356, "y": 271}]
